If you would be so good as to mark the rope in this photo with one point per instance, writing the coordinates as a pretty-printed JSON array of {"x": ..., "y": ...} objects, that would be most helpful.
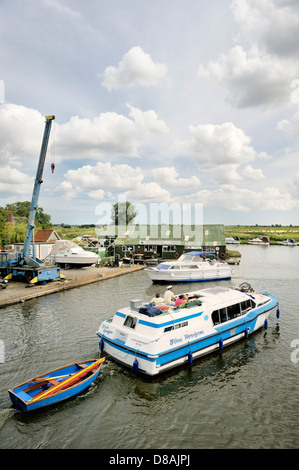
[{"x": 53, "y": 149}]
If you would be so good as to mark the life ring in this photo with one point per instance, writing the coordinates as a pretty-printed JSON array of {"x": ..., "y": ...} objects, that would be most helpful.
[
  {"x": 176, "y": 255},
  {"x": 138, "y": 252},
  {"x": 222, "y": 255}
]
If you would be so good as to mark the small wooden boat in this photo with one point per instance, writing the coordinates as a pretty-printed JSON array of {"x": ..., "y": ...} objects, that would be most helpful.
[{"x": 55, "y": 386}]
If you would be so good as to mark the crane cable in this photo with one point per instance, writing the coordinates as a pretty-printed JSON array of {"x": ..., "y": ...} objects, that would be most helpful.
[{"x": 53, "y": 149}]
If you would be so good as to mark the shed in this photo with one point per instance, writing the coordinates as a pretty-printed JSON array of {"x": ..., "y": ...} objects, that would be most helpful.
[{"x": 163, "y": 241}]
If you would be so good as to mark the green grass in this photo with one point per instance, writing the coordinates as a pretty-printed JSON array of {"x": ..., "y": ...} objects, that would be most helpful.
[{"x": 68, "y": 233}]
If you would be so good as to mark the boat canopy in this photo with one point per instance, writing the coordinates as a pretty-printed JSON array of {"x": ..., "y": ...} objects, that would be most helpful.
[
  {"x": 199, "y": 253},
  {"x": 61, "y": 245}
]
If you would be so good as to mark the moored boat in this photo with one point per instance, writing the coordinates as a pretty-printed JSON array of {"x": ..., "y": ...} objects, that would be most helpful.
[
  {"x": 232, "y": 240},
  {"x": 288, "y": 242},
  {"x": 263, "y": 241},
  {"x": 191, "y": 266},
  {"x": 55, "y": 386},
  {"x": 152, "y": 339}
]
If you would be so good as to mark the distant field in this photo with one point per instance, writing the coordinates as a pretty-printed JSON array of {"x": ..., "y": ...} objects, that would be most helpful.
[
  {"x": 275, "y": 234},
  {"x": 68, "y": 233}
]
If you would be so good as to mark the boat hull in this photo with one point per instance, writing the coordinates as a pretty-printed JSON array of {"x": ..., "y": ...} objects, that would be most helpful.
[
  {"x": 188, "y": 276},
  {"x": 180, "y": 347},
  {"x": 25, "y": 396},
  {"x": 76, "y": 261}
]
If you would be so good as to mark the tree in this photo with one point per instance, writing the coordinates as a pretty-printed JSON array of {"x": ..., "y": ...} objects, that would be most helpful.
[
  {"x": 15, "y": 232},
  {"x": 123, "y": 213},
  {"x": 22, "y": 208}
]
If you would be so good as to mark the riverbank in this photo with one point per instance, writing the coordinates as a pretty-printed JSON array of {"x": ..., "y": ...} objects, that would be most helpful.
[
  {"x": 276, "y": 234},
  {"x": 18, "y": 292}
]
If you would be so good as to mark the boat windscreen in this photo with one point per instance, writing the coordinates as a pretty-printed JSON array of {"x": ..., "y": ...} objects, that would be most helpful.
[{"x": 163, "y": 266}]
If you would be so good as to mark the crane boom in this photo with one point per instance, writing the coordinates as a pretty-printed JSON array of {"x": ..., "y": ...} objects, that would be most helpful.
[
  {"x": 35, "y": 195},
  {"x": 21, "y": 265}
]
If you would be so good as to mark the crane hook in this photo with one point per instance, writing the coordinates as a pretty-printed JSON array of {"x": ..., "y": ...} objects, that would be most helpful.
[{"x": 52, "y": 167}]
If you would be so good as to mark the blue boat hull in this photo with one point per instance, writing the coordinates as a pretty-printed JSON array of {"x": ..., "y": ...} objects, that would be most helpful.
[{"x": 23, "y": 398}]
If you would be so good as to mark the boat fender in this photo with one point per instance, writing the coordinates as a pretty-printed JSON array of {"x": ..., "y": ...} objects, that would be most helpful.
[
  {"x": 277, "y": 313},
  {"x": 190, "y": 357},
  {"x": 266, "y": 324},
  {"x": 135, "y": 366},
  {"x": 221, "y": 344},
  {"x": 246, "y": 332},
  {"x": 101, "y": 345}
]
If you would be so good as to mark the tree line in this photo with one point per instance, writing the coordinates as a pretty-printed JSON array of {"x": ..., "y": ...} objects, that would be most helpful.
[{"x": 14, "y": 232}]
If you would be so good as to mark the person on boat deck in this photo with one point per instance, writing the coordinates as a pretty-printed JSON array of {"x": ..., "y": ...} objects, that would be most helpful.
[
  {"x": 169, "y": 298},
  {"x": 158, "y": 300},
  {"x": 180, "y": 300}
]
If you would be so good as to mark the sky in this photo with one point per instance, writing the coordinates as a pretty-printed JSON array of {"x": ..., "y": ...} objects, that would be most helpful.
[{"x": 171, "y": 105}]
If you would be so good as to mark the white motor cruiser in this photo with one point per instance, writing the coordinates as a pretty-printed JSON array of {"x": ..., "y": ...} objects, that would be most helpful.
[
  {"x": 66, "y": 253},
  {"x": 191, "y": 266},
  {"x": 288, "y": 242},
  {"x": 263, "y": 241}
]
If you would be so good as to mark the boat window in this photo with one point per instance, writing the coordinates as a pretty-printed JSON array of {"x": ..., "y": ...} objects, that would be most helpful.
[
  {"x": 245, "y": 305},
  {"x": 168, "y": 328},
  {"x": 233, "y": 311},
  {"x": 223, "y": 315},
  {"x": 174, "y": 327},
  {"x": 163, "y": 266},
  {"x": 130, "y": 321},
  {"x": 189, "y": 266},
  {"x": 187, "y": 258},
  {"x": 215, "y": 317},
  {"x": 181, "y": 325}
]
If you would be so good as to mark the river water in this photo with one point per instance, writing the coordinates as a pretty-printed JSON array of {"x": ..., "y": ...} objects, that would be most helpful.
[{"x": 243, "y": 397}]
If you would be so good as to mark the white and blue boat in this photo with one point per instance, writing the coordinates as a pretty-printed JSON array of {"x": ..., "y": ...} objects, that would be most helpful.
[
  {"x": 153, "y": 339},
  {"x": 191, "y": 266}
]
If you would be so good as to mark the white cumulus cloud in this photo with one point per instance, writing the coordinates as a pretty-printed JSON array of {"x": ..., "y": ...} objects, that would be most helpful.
[
  {"x": 219, "y": 149},
  {"x": 170, "y": 177},
  {"x": 135, "y": 69},
  {"x": 253, "y": 77},
  {"x": 99, "y": 178}
]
